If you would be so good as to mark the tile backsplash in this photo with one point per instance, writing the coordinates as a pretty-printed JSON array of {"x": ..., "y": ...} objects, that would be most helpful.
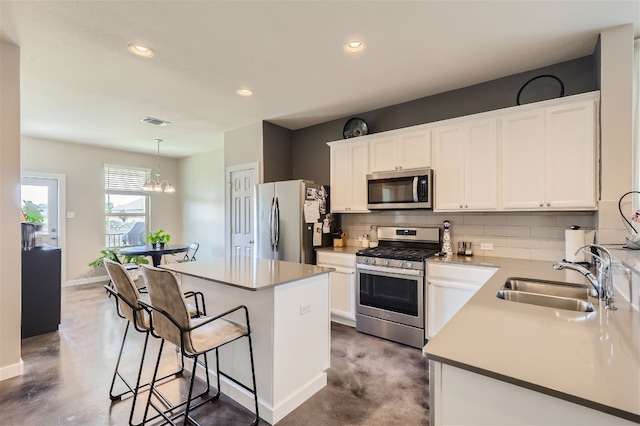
[{"x": 522, "y": 235}]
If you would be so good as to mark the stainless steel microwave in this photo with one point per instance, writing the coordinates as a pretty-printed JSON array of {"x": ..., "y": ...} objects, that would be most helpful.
[{"x": 400, "y": 189}]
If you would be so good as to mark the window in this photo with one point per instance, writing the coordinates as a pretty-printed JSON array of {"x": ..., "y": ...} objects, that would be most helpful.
[{"x": 126, "y": 207}]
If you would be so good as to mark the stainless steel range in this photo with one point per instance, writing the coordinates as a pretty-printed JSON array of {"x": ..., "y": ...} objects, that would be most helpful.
[{"x": 390, "y": 296}]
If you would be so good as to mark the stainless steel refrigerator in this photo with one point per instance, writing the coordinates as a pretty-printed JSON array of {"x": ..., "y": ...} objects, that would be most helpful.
[{"x": 282, "y": 232}]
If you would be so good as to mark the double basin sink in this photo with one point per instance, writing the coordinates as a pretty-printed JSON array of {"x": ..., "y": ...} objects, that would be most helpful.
[{"x": 552, "y": 294}]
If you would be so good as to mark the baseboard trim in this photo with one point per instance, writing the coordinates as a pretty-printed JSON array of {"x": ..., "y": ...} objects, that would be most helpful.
[
  {"x": 13, "y": 370},
  {"x": 82, "y": 281},
  {"x": 268, "y": 413}
]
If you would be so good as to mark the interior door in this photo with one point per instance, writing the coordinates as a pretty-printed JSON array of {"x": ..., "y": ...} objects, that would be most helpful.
[
  {"x": 242, "y": 233},
  {"x": 43, "y": 192}
]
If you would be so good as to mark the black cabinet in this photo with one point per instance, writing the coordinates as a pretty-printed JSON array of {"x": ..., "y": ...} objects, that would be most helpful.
[{"x": 40, "y": 290}]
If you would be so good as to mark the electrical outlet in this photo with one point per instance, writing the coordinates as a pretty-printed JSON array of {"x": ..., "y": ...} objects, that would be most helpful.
[
  {"x": 305, "y": 309},
  {"x": 486, "y": 246}
]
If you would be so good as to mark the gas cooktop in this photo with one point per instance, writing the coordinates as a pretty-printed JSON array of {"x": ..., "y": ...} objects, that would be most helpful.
[
  {"x": 401, "y": 253},
  {"x": 411, "y": 244}
]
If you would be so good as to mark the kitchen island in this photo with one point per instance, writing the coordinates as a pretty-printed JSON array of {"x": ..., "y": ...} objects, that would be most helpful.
[
  {"x": 502, "y": 362},
  {"x": 290, "y": 327}
]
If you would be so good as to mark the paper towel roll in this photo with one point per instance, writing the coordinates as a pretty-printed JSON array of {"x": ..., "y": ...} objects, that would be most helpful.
[{"x": 573, "y": 240}]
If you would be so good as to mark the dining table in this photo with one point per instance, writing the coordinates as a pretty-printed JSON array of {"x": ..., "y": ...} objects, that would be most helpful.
[{"x": 155, "y": 253}]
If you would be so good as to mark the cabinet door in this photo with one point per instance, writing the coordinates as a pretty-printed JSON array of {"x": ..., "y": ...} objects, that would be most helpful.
[
  {"x": 383, "y": 154},
  {"x": 414, "y": 149},
  {"x": 480, "y": 189},
  {"x": 444, "y": 300},
  {"x": 358, "y": 169},
  {"x": 343, "y": 293},
  {"x": 448, "y": 168},
  {"x": 523, "y": 166},
  {"x": 570, "y": 159},
  {"x": 340, "y": 178}
]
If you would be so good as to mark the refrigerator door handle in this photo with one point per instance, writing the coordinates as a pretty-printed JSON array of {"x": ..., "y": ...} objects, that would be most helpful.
[
  {"x": 273, "y": 200},
  {"x": 276, "y": 233}
]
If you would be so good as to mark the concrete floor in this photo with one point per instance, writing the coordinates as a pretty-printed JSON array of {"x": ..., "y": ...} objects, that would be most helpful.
[{"x": 68, "y": 374}]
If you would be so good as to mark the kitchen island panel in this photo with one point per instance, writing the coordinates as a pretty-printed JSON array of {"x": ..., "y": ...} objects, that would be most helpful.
[{"x": 290, "y": 334}]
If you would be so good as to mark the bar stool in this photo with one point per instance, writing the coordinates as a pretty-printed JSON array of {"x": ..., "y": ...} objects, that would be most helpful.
[
  {"x": 126, "y": 296},
  {"x": 194, "y": 337}
]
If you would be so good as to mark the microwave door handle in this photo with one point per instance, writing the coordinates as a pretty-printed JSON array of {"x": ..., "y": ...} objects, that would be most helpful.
[{"x": 415, "y": 189}]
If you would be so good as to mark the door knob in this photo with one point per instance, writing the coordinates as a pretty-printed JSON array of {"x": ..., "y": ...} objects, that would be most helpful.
[{"x": 250, "y": 241}]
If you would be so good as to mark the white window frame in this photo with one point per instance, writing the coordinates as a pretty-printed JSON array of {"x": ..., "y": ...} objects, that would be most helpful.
[{"x": 130, "y": 188}]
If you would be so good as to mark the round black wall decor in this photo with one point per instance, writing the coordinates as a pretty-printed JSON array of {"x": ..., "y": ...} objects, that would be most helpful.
[
  {"x": 355, "y": 127},
  {"x": 545, "y": 84}
]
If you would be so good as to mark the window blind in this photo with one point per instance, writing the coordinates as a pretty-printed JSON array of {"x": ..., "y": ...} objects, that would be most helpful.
[{"x": 127, "y": 179}]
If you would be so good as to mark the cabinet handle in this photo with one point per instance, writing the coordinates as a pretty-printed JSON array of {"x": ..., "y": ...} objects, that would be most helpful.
[
  {"x": 541, "y": 205},
  {"x": 466, "y": 206},
  {"x": 548, "y": 204},
  {"x": 460, "y": 205}
]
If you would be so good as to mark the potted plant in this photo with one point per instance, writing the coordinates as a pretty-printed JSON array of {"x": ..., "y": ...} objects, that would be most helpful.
[{"x": 159, "y": 238}]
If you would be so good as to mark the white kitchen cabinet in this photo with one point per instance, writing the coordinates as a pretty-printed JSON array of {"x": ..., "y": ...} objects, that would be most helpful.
[
  {"x": 398, "y": 150},
  {"x": 449, "y": 287},
  {"x": 462, "y": 397},
  {"x": 464, "y": 163},
  {"x": 342, "y": 285},
  {"x": 548, "y": 157},
  {"x": 349, "y": 168}
]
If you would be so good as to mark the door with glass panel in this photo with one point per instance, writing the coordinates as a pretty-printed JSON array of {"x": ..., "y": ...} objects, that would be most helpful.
[{"x": 39, "y": 200}]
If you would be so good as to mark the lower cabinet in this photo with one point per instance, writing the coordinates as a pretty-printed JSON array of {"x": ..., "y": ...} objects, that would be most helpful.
[
  {"x": 461, "y": 397},
  {"x": 342, "y": 285},
  {"x": 41, "y": 292},
  {"x": 449, "y": 287}
]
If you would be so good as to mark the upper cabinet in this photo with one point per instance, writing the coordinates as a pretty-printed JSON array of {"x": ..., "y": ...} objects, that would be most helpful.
[
  {"x": 549, "y": 156},
  {"x": 539, "y": 156},
  {"x": 349, "y": 168},
  {"x": 398, "y": 150},
  {"x": 464, "y": 165}
]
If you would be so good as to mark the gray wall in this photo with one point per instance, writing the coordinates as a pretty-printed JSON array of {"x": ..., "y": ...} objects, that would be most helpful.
[
  {"x": 311, "y": 154},
  {"x": 277, "y": 152}
]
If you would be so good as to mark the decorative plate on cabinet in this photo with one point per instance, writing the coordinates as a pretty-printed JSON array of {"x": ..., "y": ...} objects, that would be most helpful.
[{"x": 355, "y": 127}]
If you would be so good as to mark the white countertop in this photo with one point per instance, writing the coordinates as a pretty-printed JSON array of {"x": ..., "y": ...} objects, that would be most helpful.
[
  {"x": 592, "y": 359},
  {"x": 344, "y": 249},
  {"x": 250, "y": 273}
]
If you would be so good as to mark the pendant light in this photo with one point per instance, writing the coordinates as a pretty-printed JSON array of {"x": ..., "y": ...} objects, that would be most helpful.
[{"x": 157, "y": 185}]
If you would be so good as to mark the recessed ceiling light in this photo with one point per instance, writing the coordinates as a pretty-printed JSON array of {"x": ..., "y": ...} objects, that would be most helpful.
[
  {"x": 354, "y": 46},
  {"x": 140, "y": 50},
  {"x": 244, "y": 92}
]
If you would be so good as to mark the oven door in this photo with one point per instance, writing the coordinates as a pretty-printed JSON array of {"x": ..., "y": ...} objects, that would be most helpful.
[{"x": 391, "y": 294}]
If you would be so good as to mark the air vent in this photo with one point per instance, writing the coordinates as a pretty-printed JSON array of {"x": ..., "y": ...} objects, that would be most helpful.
[{"x": 155, "y": 121}]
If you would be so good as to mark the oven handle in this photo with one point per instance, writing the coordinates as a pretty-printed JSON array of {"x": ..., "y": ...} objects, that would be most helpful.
[{"x": 392, "y": 271}]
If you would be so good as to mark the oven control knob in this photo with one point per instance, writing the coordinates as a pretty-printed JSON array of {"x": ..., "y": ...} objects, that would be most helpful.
[
  {"x": 365, "y": 260},
  {"x": 408, "y": 264},
  {"x": 386, "y": 262}
]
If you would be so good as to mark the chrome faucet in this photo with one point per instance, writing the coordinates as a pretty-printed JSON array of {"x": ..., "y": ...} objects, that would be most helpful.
[{"x": 603, "y": 283}]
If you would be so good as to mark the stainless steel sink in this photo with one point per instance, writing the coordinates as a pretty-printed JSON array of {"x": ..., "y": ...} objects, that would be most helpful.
[
  {"x": 556, "y": 302},
  {"x": 552, "y": 294},
  {"x": 550, "y": 288}
]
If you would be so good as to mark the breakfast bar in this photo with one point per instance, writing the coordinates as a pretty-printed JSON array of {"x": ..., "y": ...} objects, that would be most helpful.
[{"x": 289, "y": 313}]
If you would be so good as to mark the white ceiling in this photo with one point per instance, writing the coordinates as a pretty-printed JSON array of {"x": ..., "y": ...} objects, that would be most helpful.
[{"x": 80, "y": 84}]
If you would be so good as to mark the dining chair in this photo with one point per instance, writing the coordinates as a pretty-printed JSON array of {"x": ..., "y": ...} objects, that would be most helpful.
[
  {"x": 195, "y": 337},
  {"x": 126, "y": 295},
  {"x": 190, "y": 255}
]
